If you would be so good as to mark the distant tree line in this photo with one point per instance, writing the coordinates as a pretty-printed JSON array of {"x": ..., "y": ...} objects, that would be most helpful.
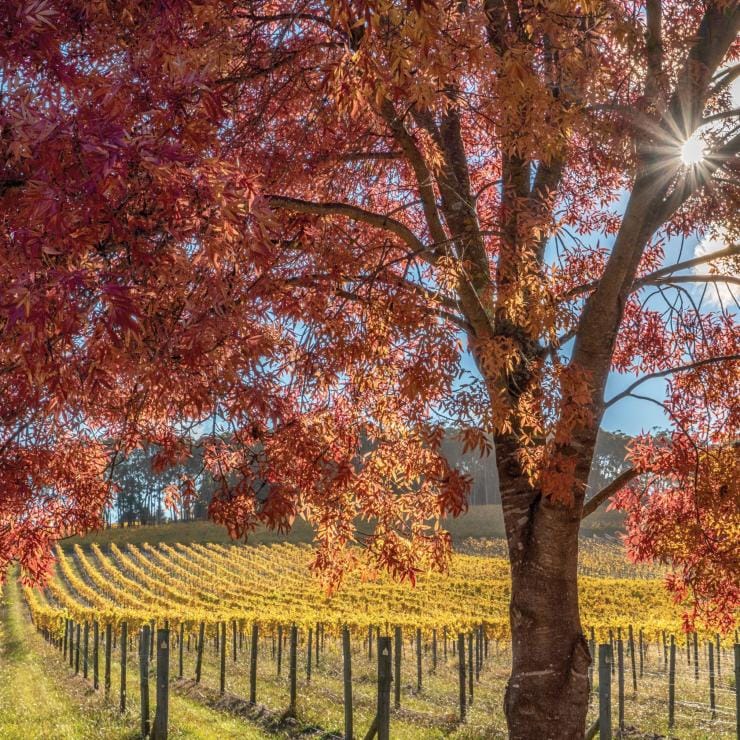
[{"x": 140, "y": 495}]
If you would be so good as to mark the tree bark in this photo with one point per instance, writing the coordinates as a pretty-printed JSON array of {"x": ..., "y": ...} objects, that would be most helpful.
[{"x": 547, "y": 693}]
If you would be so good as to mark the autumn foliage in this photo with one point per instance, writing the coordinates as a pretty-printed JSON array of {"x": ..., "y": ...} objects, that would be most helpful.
[{"x": 315, "y": 234}]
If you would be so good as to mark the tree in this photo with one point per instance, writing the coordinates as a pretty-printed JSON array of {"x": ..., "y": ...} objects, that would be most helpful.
[{"x": 328, "y": 228}]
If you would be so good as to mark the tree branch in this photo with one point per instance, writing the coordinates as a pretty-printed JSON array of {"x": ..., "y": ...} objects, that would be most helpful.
[
  {"x": 658, "y": 276},
  {"x": 731, "y": 113},
  {"x": 608, "y": 491},
  {"x": 440, "y": 313},
  {"x": 670, "y": 371},
  {"x": 424, "y": 179},
  {"x": 354, "y": 213},
  {"x": 729, "y": 279},
  {"x": 685, "y": 265},
  {"x": 654, "y": 47}
]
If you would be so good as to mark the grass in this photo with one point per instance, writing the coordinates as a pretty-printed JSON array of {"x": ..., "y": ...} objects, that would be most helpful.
[
  {"x": 40, "y": 699},
  {"x": 479, "y": 521},
  {"x": 431, "y": 714}
]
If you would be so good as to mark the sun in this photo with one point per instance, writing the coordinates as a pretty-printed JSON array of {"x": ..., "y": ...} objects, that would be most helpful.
[{"x": 693, "y": 150}]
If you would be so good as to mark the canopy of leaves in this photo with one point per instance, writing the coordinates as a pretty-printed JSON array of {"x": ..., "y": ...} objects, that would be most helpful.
[{"x": 302, "y": 225}]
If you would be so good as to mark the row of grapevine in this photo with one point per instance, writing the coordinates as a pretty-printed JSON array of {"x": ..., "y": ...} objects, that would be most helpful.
[
  {"x": 213, "y": 583},
  {"x": 257, "y": 604}
]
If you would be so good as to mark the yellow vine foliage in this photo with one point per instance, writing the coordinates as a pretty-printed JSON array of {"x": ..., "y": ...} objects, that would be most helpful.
[{"x": 271, "y": 585}]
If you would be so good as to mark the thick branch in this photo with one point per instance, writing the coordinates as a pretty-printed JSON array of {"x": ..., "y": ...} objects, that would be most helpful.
[
  {"x": 717, "y": 31},
  {"x": 731, "y": 113},
  {"x": 354, "y": 213},
  {"x": 654, "y": 46},
  {"x": 424, "y": 178},
  {"x": 608, "y": 491}
]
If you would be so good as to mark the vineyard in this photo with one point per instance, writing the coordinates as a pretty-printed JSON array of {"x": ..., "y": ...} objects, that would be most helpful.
[
  {"x": 251, "y": 622},
  {"x": 190, "y": 584}
]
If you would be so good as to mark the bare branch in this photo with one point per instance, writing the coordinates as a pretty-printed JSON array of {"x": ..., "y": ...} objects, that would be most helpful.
[
  {"x": 359, "y": 156},
  {"x": 724, "y": 79},
  {"x": 671, "y": 371},
  {"x": 727, "y": 279},
  {"x": 733, "y": 112},
  {"x": 686, "y": 265}
]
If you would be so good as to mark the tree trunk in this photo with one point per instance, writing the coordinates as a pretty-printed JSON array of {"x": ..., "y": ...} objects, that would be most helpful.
[{"x": 547, "y": 693}]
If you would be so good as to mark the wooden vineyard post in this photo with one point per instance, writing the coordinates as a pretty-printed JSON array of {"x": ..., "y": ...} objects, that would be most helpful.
[
  {"x": 665, "y": 651},
  {"x": 605, "y": 692},
  {"x": 642, "y": 652},
  {"x": 161, "y": 716},
  {"x": 696, "y": 656},
  {"x": 444, "y": 642},
  {"x": 620, "y": 682},
  {"x": 397, "y": 660},
  {"x": 309, "y": 654},
  {"x": 434, "y": 651},
  {"x": 737, "y": 686},
  {"x": 293, "y": 668},
  {"x": 418, "y": 659},
  {"x": 253, "y": 665},
  {"x": 370, "y": 643},
  {"x": 71, "y": 644},
  {"x": 199, "y": 651},
  {"x": 631, "y": 636},
  {"x": 96, "y": 651},
  {"x": 592, "y": 651},
  {"x": 233, "y": 641},
  {"x": 124, "y": 650},
  {"x": 672, "y": 683},
  {"x": 180, "y": 650},
  {"x": 461, "y": 673},
  {"x": 719, "y": 657},
  {"x": 222, "y": 682},
  {"x": 77, "y": 648},
  {"x": 318, "y": 643},
  {"x": 385, "y": 677},
  {"x": 66, "y": 638},
  {"x": 478, "y": 651},
  {"x": 712, "y": 695},
  {"x": 611, "y": 647},
  {"x": 470, "y": 669},
  {"x": 108, "y": 638},
  {"x": 85, "y": 649},
  {"x": 688, "y": 649},
  {"x": 347, "y": 676},
  {"x": 279, "y": 648},
  {"x": 144, "y": 638}
]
